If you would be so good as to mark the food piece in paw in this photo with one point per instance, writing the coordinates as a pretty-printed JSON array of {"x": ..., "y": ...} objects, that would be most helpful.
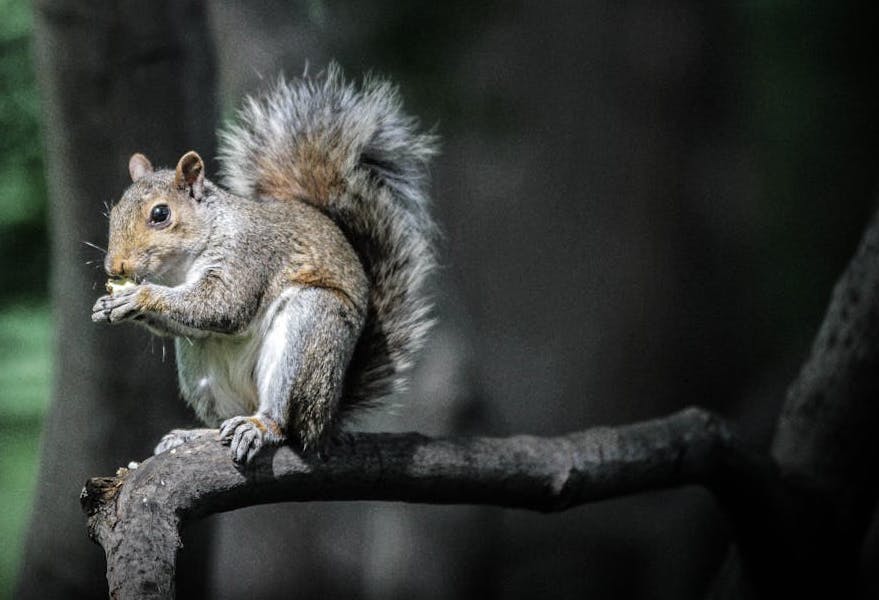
[{"x": 120, "y": 284}]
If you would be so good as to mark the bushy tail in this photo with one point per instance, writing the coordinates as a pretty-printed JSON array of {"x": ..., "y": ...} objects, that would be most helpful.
[{"x": 355, "y": 155}]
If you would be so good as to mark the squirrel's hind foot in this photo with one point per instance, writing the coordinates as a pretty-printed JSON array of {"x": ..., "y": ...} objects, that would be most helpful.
[{"x": 247, "y": 435}]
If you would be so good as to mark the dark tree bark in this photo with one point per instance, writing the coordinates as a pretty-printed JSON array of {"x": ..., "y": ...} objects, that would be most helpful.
[
  {"x": 116, "y": 78},
  {"x": 799, "y": 515},
  {"x": 810, "y": 544},
  {"x": 138, "y": 513}
]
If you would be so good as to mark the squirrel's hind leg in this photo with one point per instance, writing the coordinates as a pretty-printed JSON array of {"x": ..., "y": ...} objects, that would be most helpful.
[{"x": 315, "y": 328}]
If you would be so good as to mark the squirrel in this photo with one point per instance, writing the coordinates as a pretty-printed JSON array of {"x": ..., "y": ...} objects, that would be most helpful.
[{"x": 299, "y": 294}]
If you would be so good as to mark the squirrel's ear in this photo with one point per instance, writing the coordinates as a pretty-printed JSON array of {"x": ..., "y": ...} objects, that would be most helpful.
[
  {"x": 190, "y": 174},
  {"x": 138, "y": 166}
]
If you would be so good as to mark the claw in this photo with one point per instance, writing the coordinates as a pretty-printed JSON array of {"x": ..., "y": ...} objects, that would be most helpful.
[
  {"x": 227, "y": 429},
  {"x": 247, "y": 435},
  {"x": 118, "y": 307},
  {"x": 245, "y": 444}
]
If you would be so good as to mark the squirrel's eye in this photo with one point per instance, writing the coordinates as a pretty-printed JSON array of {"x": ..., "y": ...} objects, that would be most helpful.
[{"x": 160, "y": 213}]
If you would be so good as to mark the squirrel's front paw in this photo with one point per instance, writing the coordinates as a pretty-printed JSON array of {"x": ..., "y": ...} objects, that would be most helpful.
[
  {"x": 177, "y": 437},
  {"x": 246, "y": 435},
  {"x": 121, "y": 306}
]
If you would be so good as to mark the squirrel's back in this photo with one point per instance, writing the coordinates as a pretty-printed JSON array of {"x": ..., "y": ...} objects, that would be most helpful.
[{"x": 357, "y": 157}]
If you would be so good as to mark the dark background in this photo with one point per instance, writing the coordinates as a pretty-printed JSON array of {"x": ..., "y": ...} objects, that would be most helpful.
[{"x": 644, "y": 206}]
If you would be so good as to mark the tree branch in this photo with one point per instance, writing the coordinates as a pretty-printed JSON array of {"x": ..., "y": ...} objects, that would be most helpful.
[
  {"x": 808, "y": 543},
  {"x": 138, "y": 513},
  {"x": 798, "y": 525},
  {"x": 826, "y": 432}
]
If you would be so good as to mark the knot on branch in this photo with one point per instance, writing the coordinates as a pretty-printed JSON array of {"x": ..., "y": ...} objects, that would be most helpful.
[{"x": 100, "y": 491}]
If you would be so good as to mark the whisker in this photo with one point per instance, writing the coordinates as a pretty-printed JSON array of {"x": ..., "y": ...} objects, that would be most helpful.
[{"x": 95, "y": 246}]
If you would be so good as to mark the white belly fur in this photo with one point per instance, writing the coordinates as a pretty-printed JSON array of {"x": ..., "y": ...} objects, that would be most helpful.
[{"x": 218, "y": 374}]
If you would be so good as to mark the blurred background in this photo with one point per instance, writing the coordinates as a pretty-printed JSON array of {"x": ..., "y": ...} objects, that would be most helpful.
[{"x": 644, "y": 206}]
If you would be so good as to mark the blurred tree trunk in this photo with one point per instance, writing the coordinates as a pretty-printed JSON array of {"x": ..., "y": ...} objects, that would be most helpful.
[{"x": 116, "y": 77}]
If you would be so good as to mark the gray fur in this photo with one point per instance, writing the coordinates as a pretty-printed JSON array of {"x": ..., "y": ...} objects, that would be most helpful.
[
  {"x": 376, "y": 150},
  {"x": 301, "y": 294},
  {"x": 249, "y": 340},
  {"x": 288, "y": 367}
]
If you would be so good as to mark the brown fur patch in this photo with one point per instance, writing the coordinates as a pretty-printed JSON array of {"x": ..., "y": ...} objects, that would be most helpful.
[
  {"x": 151, "y": 303},
  {"x": 312, "y": 276},
  {"x": 278, "y": 181},
  {"x": 265, "y": 424},
  {"x": 257, "y": 422},
  {"x": 314, "y": 173}
]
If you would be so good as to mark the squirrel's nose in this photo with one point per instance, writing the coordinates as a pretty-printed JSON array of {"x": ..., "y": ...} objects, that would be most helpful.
[{"x": 116, "y": 267}]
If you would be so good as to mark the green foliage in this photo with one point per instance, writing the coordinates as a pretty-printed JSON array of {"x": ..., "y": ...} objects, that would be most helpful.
[
  {"x": 18, "y": 467},
  {"x": 23, "y": 239},
  {"x": 24, "y": 315},
  {"x": 22, "y": 187},
  {"x": 25, "y": 373},
  {"x": 25, "y": 363}
]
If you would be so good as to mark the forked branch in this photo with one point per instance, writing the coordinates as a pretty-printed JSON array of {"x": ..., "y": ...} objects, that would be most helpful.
[
  {"x": 799, "y": 518},
  {"x": 138, "y": 513}
]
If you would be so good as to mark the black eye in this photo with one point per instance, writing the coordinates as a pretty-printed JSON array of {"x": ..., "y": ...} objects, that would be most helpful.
[{"x": 160, "y": 213}]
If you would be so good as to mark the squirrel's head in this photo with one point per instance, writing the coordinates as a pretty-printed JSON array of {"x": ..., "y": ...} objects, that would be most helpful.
[{"x": 157, "y": 228}]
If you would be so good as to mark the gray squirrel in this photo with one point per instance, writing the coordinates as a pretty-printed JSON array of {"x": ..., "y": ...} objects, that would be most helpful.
[{"x": 299, "y": 294}]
